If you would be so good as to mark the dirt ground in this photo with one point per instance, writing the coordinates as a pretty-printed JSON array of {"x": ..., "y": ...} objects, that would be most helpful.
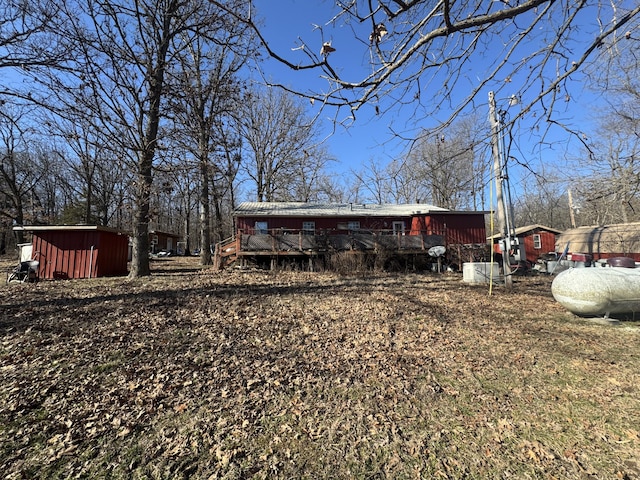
[{"x": 192, "y": 373}]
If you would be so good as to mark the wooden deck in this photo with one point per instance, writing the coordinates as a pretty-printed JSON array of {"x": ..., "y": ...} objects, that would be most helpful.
[{"x": 302, "y": 244}]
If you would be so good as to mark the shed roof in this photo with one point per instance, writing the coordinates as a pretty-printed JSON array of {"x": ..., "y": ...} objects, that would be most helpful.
[
  {"x": 614, "y": 238},
  {"x": 302, "y": 209},
  {"x": 64, "y": 228},
  {"x": 528, "y": 228},
  {"x": 166, "y": 234}
]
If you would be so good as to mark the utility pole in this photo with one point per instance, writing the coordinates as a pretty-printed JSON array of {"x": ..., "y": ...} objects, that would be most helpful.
[
  {"x": 496, "y": 128},
  {"x": 572, "y": 214}
]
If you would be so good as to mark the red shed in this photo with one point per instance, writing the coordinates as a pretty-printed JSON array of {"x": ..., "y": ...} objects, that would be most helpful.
[
  {"x": 535, "y": 240},
  {"x": 78, "y": 251}
]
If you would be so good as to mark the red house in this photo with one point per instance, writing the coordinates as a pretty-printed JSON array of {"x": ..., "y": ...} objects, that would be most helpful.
[
  {"x": 535, "y": 240},
  {"x": 311, "y": 229},
  {"x": 78, "y": 251}
]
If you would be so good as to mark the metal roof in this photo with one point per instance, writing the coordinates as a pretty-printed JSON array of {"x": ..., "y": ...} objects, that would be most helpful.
[
  {"x": 528, "y": 228},
  {"x": 49, "y": 228},
  {"x": 302, "y": 209}
]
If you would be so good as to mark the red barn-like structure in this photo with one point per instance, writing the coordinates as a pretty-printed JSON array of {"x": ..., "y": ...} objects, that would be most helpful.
[
  {"x": 277, "y": 229},
  {"x": 78, "y": 251},
  {"x": 535, "y": 240}
]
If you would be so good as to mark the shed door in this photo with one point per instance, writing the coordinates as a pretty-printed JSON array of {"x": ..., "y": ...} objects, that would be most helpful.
[{"x": 169, "y": 243}]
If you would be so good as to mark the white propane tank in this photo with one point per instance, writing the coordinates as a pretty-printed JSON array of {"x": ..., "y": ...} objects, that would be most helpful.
[{"x": 598, "y": 291}]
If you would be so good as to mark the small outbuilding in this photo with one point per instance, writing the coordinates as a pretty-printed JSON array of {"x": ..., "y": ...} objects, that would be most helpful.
[
  {"x": 602, "y": 242},
  {"x": 534, "y": 240},
  {"x": 163, "y": 241},
  {"x": 78, "y": 251}
]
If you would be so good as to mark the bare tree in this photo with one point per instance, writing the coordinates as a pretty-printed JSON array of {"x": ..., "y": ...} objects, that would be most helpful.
[
  {"x": 49, "y": 191},
  {"x": 18, "y": 172},
  {"x": 607, "y": 183},
  {"x": 83, "y": 152},
  {"x": 447, "y": 167},
  {"x": 308, "y": 179},
  {"x": 424, "y": 54},
  {"x": 543, "y": 200},
  {"x": 224, "y": 171},
  {"x": 27, "y": 34},
  {"x": 450, "y": 166},
  {"x": 207, "y": 90},
  {"x": 283, "y": 145},
  {"x": 374, "y": 182},
  {"x": 117, "y": 81}
]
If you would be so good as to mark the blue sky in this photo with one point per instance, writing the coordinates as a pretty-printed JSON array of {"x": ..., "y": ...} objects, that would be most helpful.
[
  {"x": 369, "y": 136},
  {"x": 288, "y": 20}
]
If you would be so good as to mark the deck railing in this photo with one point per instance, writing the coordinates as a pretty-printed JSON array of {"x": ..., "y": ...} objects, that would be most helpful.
[{"x": 286, "y": 240}]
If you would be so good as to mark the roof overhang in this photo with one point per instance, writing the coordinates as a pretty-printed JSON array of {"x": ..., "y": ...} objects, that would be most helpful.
[
  {"x": 166, "y": 234},
  {"x": 66, "y": 228},
  {"x": 527, "y": 229}
]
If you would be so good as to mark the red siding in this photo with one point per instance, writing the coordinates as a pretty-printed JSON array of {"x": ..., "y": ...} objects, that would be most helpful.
[
  {"x": 460, "y": 229},
  {"x": 68, "y": 253},
  {"x": 247, "y": 224},
  {"x": 547, "y": 240},
  {"x": 548, "y": 244},
  {"x": 457, "y": 228}
]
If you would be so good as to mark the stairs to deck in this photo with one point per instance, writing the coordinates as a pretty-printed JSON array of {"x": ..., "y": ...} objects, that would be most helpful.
[{"x": 224, "y": 253}]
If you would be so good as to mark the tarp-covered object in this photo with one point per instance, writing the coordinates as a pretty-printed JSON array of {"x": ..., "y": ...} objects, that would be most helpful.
[{"x": 620, "y": 239}]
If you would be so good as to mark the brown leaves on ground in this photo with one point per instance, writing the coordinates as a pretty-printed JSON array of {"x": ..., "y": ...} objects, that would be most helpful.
[{"x": 191, "y": 373}]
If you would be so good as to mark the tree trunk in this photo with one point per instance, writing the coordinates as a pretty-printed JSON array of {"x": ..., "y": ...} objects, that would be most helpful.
[
  {"x": 19, "y": 219},
  {"x": 3, "y": 241},
  {"x": 140, "y": 255},
  {"x": 219, "y": 232},
  {"x": 87, "y": 211},
  {"x": 205, "y": 225}
]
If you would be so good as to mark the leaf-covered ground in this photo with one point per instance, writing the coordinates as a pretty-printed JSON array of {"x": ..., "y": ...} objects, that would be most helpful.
[{"x": 251, "y": 374}]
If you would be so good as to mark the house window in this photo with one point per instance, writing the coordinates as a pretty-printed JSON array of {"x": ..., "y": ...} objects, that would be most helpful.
[
  {"x": 308, "y": 228},
  {"x": 398, "y": 228},
  {"x": 349, "y": 226},
  {"x": 537, "y": 241},
  {"x": 261, "y": 228}
]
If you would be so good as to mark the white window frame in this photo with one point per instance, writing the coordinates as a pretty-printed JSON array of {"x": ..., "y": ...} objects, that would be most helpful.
[
  {"x": 309, "y": 228},
  {"x": 537, "y": 241},
  {"x": 398, "y": 228},
  {"x": 353, "y": 225}
]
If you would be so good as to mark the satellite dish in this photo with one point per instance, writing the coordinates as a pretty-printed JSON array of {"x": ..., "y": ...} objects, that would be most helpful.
[{"x": 437, "y": 251}]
